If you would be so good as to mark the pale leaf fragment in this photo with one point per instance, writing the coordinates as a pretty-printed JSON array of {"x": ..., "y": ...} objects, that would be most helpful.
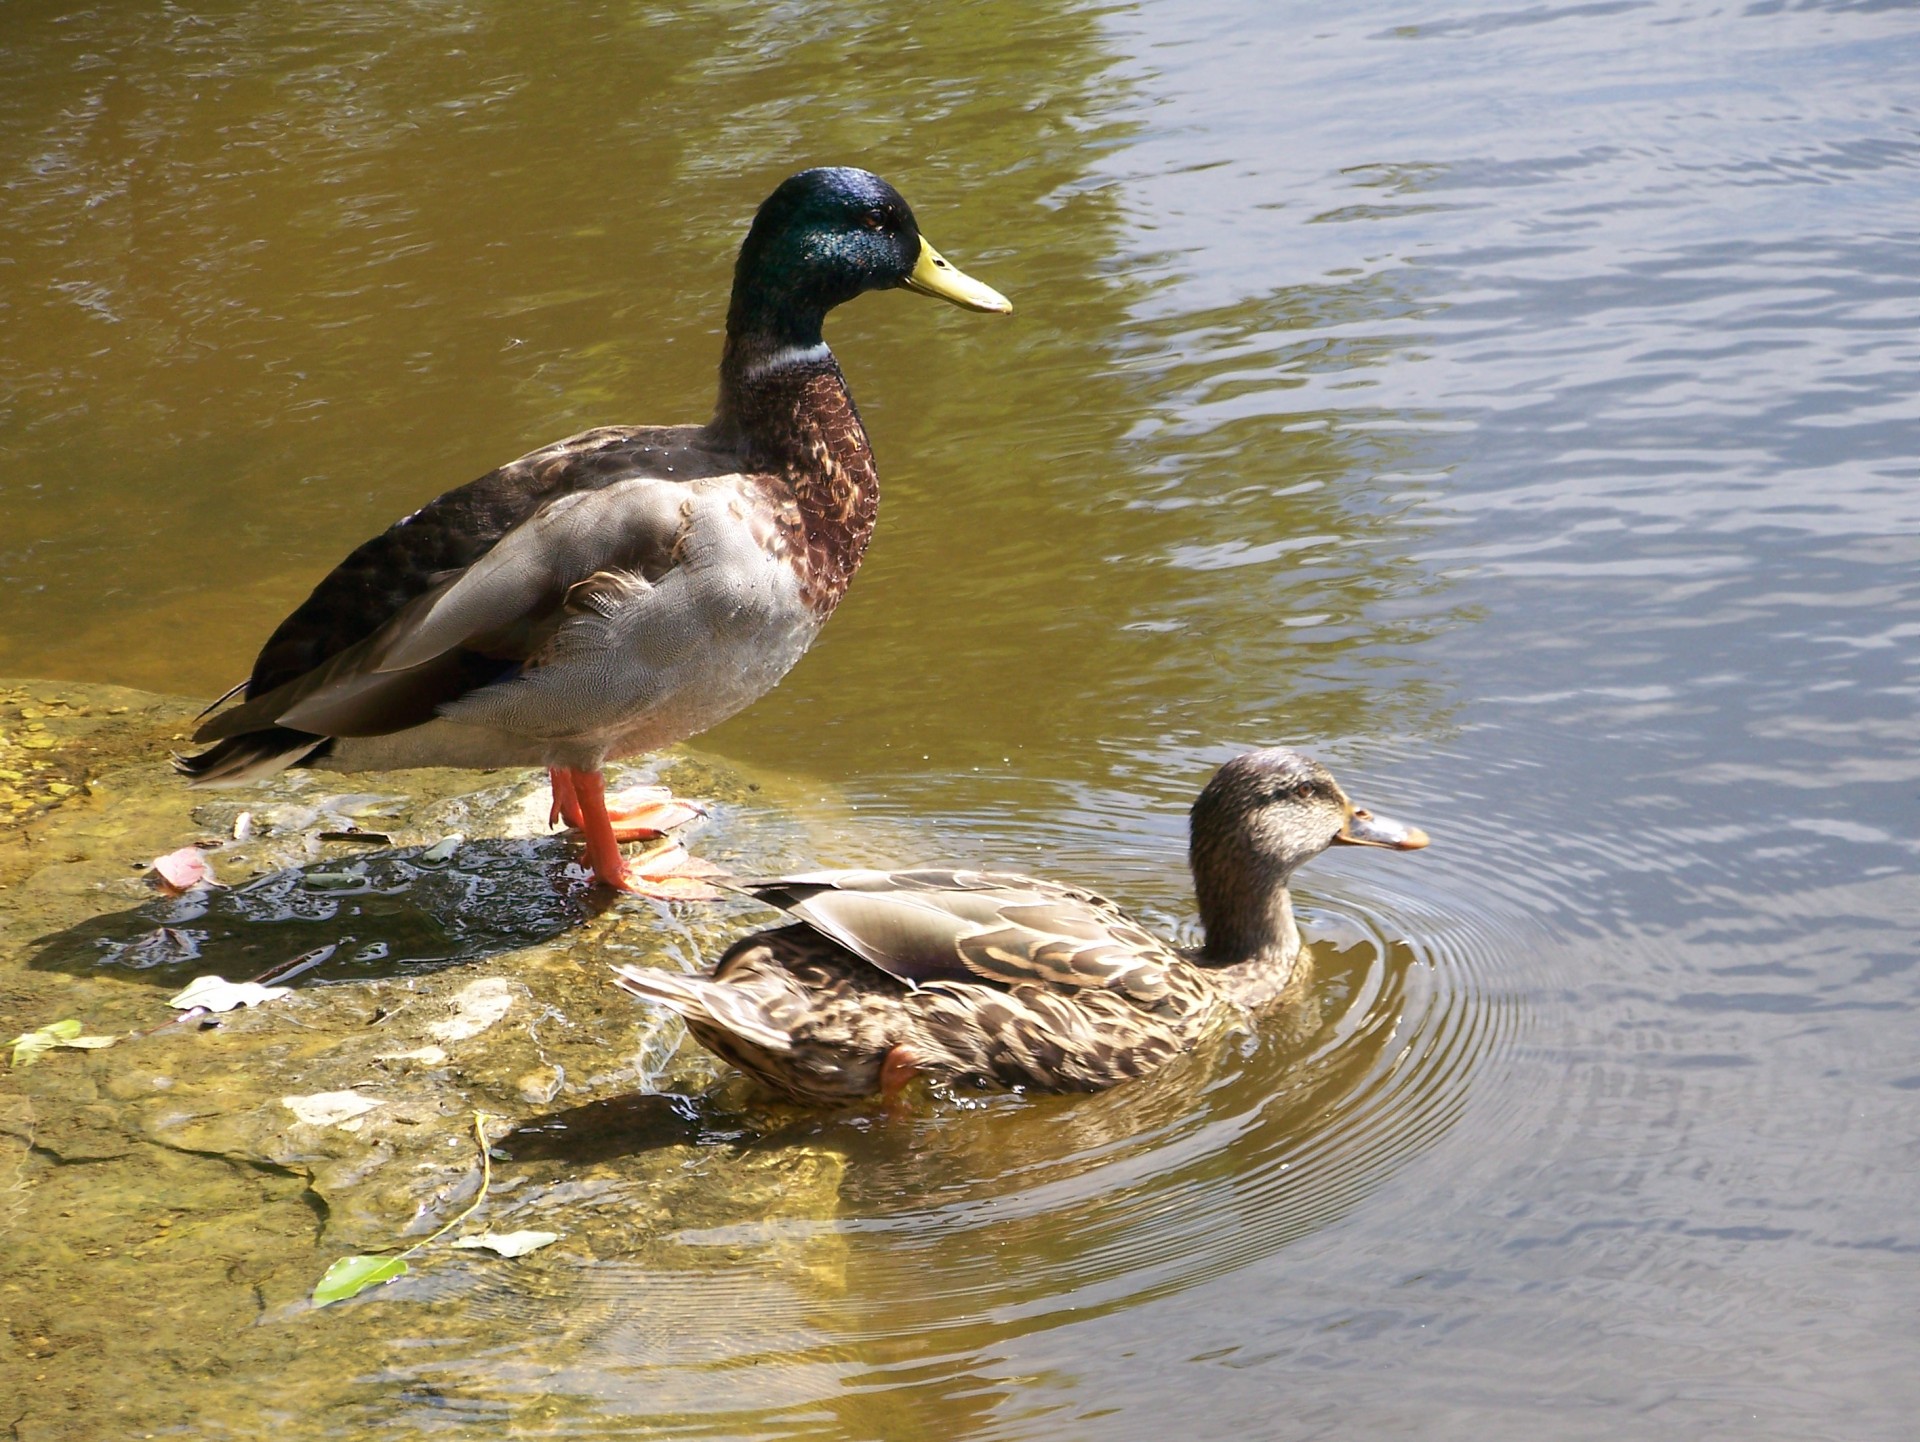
[
  {"x": 30, "y": 1046},
  {"x": 329, "y": 1109},
  {"x": 476, "y": 1006},
  {"x": 442, "y": 850},
  {"x": 509, "y": 1244},
  {"x": 216, "y": 993}
]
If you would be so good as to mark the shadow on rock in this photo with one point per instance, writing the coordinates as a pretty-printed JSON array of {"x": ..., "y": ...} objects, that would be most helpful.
[
  {"x": 613, "y": 1127},
  {"x": 628, "y": 1125},
  {"x": 393, "y": 913}
]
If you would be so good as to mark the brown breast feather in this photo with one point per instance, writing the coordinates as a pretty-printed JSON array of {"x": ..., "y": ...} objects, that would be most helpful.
[{"x": 819, "y": 477}]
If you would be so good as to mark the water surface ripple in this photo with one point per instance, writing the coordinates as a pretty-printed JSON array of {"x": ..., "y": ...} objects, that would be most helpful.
[{"x": 1512, "y": 405}]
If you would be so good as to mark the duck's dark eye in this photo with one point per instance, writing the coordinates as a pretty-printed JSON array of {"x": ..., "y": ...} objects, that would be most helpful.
[
  {"x": 875, "y": 219},
  {"x": 1304, "y": 791}
]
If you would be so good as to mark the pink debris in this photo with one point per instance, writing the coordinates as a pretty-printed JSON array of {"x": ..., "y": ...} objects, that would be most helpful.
[{"x": 183, "y": 870}]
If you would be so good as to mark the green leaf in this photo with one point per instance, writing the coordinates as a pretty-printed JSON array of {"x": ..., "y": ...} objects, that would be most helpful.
[
  {"x": 350, "y": 1276},
  {"x": 30, "y": 1046}
]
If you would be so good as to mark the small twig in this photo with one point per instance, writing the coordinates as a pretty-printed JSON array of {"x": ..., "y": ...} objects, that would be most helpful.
[
  {"x": 306, "y": 961},
  {"x": 480, "y": 1120},
  {"x": 350, "y": 1276}
]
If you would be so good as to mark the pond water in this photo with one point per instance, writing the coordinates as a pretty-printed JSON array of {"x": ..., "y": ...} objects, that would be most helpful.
[{"x": 1511, "y": 404}]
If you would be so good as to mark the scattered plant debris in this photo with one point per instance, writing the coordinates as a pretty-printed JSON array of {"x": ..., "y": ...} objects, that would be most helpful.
[
  {"x": 351, "y": 1276},
  {"x": 333, "y": 880},
  {"x": 476, "y": 1006},
  {"x": 329, "y": 1109},
  {"x": 441, "y": 852},
  {"x": 179, "y": 872},
  {"x": 199, "y": 999}
]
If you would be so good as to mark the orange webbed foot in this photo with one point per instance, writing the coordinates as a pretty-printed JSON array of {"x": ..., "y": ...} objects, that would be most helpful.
[
  {"x": 645, "y": 813},
  {"x": 669, "y": 873},
  {"x": 666, "y": 873},
  {"x": 640, "y": 813}
]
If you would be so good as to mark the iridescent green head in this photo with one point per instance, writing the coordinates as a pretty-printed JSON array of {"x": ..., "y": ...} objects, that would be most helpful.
[{"x": 826, "y": 236}]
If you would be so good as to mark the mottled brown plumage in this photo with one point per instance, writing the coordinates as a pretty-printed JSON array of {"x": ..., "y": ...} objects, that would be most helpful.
[{"x": 993, "y": 979}]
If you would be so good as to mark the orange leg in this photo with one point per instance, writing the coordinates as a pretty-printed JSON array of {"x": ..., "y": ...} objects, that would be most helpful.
[
  {"x": 897, "y": 1068},
  {"x": 643, "y": 814},
  {"x": 587, "y": 790},
  {"x": 655, "y": 877}
]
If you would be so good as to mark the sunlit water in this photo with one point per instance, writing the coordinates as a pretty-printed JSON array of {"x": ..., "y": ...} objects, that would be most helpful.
[{"x": 1513, "y": 406}]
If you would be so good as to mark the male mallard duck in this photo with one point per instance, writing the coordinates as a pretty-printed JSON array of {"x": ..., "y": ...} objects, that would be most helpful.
[
  {"x": 621, "y": 589},
  {"x": 985, "y": 978}
]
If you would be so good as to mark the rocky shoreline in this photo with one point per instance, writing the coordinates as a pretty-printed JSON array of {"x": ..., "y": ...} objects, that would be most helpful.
[{"x": 195, "y": 1179}]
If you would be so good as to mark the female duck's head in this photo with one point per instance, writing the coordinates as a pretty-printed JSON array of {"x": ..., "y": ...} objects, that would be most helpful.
[
  {"x": 1258, "y": 819},
  {"x": 822, "y": 238}
]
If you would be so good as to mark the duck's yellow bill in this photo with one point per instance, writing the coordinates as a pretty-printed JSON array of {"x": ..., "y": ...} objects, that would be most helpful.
[
  {"x": 1363, "y": 828},
  {"x": 934, "y": 274}
]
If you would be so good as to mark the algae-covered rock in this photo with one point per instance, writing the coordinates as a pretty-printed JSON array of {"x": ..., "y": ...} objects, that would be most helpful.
[
  {"x": 52, "y": 737},
  {"x": 453, "y": 957}
]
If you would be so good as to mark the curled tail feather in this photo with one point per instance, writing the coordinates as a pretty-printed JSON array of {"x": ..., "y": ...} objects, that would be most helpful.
[{"x": 253, "y": 756}]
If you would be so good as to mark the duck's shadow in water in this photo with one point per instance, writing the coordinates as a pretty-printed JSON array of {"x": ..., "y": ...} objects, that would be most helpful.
[
  {"x": 732, "y": 1115},
  {"x": 388, "y": 913},
  {"x": 614, "y": 1127}
]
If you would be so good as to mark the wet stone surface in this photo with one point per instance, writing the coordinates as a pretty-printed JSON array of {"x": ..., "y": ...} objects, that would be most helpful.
[{"x": 194, "y": 1179}]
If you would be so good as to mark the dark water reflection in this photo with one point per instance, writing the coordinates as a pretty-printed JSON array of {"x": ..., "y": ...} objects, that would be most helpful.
[{"x": 1515, "y": 405}]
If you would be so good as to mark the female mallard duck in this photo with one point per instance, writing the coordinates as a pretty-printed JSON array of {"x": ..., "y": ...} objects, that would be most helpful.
[
  {"x": 991, "y": 979},
  {"x": 621, "y": 589}
]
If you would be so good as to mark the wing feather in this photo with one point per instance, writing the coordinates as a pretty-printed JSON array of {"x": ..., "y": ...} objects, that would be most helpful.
[
  {"x": 459, "y": 594},
  {"x": 925, "y": 927},
  {"x": 628, "y": 527},
  {"x": 481, "y": 625}
]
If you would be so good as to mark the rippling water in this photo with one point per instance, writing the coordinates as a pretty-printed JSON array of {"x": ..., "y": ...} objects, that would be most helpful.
[{"x": 1513, "y": 406}]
